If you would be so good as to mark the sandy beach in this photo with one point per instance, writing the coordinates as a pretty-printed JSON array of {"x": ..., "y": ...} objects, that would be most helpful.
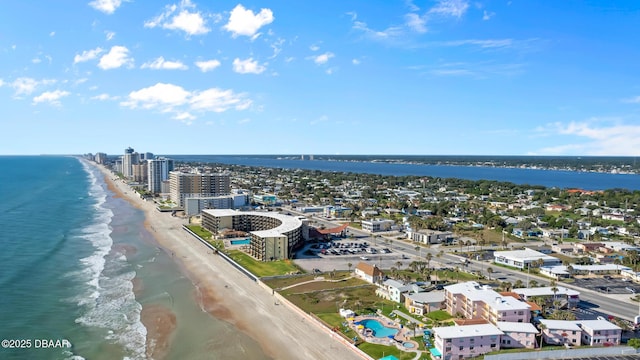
[{"x": 282, "y": 331}]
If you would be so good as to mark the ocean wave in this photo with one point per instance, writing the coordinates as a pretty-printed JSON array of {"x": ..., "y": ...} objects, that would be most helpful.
[{"x": 108, "y": 301}]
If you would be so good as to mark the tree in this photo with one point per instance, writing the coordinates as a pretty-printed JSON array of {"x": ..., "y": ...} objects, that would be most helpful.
[
  {"x": 518, "y": 284},
  {"x": 634, "y": 343},
  {"x": 490, "y": 271},
  {"x": 349, "y": 265},
  {"x": 533, "y": 283}
]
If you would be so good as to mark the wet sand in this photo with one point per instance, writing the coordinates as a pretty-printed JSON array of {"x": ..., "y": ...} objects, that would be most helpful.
[{"x": 283, "y": 332}]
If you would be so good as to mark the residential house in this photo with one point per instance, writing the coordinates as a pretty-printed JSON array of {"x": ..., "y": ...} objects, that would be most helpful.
[
  {"x": 517, "y": 335},
  {"x": 369, "y": 272},
  {"x": 564, "y": 249},
  {"x": 587, "y": 247},
  {"x": 393, "y": 290},
  {"x": 463, "y": 342},
  {"x": 424, "y": 302}
]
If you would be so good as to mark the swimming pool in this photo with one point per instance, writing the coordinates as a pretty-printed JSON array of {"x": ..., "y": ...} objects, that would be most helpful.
[
  {"x": 241, "y": 242},
  {"x": 408, "y": 345},
  {"x": 378, "y": 330}
]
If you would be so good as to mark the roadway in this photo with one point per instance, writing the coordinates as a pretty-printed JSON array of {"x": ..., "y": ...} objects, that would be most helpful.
[{"x": 589, "y": 299}]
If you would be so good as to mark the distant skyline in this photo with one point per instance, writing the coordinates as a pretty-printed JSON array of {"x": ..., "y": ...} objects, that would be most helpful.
[{"x": 445, "y": 77}]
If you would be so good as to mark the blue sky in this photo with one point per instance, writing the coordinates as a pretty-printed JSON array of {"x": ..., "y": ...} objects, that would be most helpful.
[{"x": 439, "y": 77}]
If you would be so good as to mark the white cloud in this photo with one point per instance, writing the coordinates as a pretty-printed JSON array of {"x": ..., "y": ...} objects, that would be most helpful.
[
  {"x": 207, "y": 65},
  {"x": 185, "y": 117},
  {"x": 87, "y": 55},
  {"x": 26, "y": 86},
  {"x": 244, "y": 121},
  {"x": 455, "y": 8},
  {"x": 169, "y": 98},
  {"x": 248, "y": 66},
  {"x": 52, "y": 34},
  {"x": 321, "y": 119},
  {"x": 179, "y": 17},
  {"x": 314, "y": 47},
  {"x": 487, "y": 15},
  {"x": 109, "y": 35},
  {"x": 1, "y": 82},
  {"x": 416, "y": 23},
  {"x": 104, "y": 97},
  {"x": 277, "y": 47},
  {"x": 355, "y": 62},
  {"x": 322, "y": 58},
  {"x": 244, "y": 22},
  {"x": 391, "y": 32},
  {"x": 115, "y": 58},
  {"x": 51, "y": 97},
  {"x": 485, "y": 44},
  {"x": 597, "y": 137},
  {"x": 161, "y": 64},
  {"x": 36, "y": 60},
  {"x": 106, "y": 6}
]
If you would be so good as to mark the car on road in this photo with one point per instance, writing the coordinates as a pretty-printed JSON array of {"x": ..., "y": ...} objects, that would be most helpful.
[
  {"x": 364, "y": 258},
  {"x": 630, "y": 289}
]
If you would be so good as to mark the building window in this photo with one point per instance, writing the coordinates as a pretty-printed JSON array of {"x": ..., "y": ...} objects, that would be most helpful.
[
  {"x": 461, "y": 348},
  {"x": 493, "y": 345}
]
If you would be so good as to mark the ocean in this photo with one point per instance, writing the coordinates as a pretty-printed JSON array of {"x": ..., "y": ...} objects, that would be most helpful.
[
  {"x": 563, "y": 179},
  {"x": 70, "y": 255}
]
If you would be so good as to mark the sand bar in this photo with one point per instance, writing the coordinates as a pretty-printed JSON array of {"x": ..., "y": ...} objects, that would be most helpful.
[{"x": 283, "y": 332}]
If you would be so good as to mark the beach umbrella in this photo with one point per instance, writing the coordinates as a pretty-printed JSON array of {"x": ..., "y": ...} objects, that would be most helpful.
[
  {"x": 350, "y": 319},
  {"x": 360, "y": 326}
]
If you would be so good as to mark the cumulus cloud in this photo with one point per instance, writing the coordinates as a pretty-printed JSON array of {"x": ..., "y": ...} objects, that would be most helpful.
[
  {"x": 597, "y": 137},
  {"x": 170, "y": 98},
  {"x": 161, "y": 64},
  {"x": 322, "y": 58},
  {"x": 248, "y": 66},
  {"x": 87, "y": 55},
  {"x": 51, "y": 97},
  {"x": 244, "y": 22},
  {"x": 454, "y": 8},
  {"x": 115, "y": 58},
  {"x": 207, "y": 65},
  {"x": 180, "y": 17},
  {"x": 106, "y": 6}
]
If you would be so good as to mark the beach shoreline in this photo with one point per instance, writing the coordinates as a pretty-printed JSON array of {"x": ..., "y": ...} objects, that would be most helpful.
[{"x": 282, "y": 332}]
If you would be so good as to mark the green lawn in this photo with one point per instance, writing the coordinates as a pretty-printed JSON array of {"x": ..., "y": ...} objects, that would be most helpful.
[
  {"x": 378, "y": 351},
  {"x": 200, "y": 231},
  {"x": 263, "y": 268},
  {"x": 439, "y": 315}
]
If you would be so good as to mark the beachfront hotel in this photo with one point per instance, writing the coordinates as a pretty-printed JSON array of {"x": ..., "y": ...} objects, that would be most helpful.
[
  {"x": 472, "y": 301},
  {"x": 462, "y": 342},
  {"x": 273, "y": 236},
  {"x": 196, "y": 185},
  {"x": 158, "y": 174}
]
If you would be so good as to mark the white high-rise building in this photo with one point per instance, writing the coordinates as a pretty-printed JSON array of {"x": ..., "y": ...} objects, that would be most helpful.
[
  {"x": 129, "y": 158},
  {"x": 158, "y": 171}
]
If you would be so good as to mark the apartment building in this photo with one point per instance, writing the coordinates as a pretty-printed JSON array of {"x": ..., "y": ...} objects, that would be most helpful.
[
  {"x": 194, "y": 185},
  {"x": 274, "y": 236},
  {"x": 472, "y": 300},
  {"x": 157, "y": 172},
  {"x": 517, "y": 335},
  {"x": 463, "y": 342}
]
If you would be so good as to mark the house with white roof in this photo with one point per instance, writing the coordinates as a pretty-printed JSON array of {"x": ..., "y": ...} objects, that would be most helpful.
[
  {"x": 463, "y": 342},
  {"x": 571, "y": 296},
  {"x": 600, "y": 333},
  {"x": 472, "y": 300},
  {"x": 523, "y": 259},
  {"x": 424, "y": 302},
  {"x": 517, "y": 335},
  {"x": 560, "y": 332},
  {"x": 393, "y": 290}
]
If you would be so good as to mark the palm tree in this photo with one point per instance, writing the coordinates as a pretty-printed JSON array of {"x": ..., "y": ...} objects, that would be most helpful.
[
  {"x": 542, "y": 327},
  {"x": 349, "y": 265},
  {"x": 554, "y": 288},
  {"x": 518, "y": 284},
  {"x": 428, "y": 257},
  {"x": 417, "y": 248},
  {"x": 490, "y": 271},
  {"x": 399, "y": 264},
  {"x": 533, "y": 283}
]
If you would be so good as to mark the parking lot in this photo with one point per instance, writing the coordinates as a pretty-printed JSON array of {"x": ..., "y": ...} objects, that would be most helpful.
[{"x": 608, "y": 285}]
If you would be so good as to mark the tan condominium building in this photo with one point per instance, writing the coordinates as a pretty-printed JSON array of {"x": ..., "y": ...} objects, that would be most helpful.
[
  {"x": 187, "y": 185},
  {"x": 274, "y": 236}
]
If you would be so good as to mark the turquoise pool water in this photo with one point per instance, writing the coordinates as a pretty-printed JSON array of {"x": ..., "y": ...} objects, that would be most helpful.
[
  {"x": 241, "y": 242},
  {"x": 409, "y": 345},
  {"x": 379, "y": 330}
]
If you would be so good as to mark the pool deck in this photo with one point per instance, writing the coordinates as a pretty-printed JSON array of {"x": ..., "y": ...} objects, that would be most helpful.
[{"x": 401, "y": 337}]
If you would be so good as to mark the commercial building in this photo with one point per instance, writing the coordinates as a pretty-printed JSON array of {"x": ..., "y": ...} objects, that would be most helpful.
[
  {"x": 195, "y": 205},
  {"x": 430, "y": 236},
  {"x": 188, "y": 185},
  {"x": 572, "y": 297},
  {"x": 523, "y": 259},
  {"x": 377, "y": 225},
  {"x": 471, "y": 301},
  {"x": 274, "y": 236},
  {"x": 158, "y": 172}
]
